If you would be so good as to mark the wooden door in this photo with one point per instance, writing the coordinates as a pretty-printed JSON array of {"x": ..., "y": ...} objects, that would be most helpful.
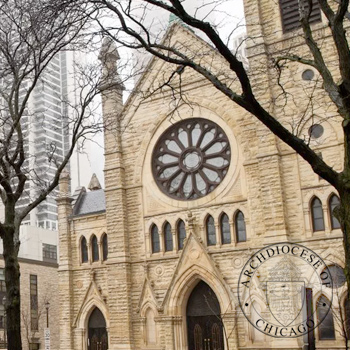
[{"x": 204, "y": 324}]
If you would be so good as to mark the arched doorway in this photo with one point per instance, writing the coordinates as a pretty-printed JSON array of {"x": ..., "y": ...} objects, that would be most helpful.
[
  {"x": 204, "y": 324},
  {"x": 97, "y": 331}
]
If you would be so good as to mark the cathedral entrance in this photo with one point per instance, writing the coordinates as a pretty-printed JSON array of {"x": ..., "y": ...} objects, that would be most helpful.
[
  {"x": 97, "y": 332},
  {"x": 204, "y": 324}
]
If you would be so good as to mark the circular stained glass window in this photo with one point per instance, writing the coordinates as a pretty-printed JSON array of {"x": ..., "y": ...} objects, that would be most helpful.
[
  {"x": 191, "y": 159},
  {"x": 337, "y": 274}
]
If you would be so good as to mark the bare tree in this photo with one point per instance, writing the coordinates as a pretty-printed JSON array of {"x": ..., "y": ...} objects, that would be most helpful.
[
  {"x": 32, "y": 34},
  {"x": 129, "y": 28}
]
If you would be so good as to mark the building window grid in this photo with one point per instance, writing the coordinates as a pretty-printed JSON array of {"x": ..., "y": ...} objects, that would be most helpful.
[
  {"x": 49, "y": 252},
  {"x": 34, "y": 302}
]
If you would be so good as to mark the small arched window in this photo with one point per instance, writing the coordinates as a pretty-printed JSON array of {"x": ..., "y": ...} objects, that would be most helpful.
[
  {"x": 94, "y": 248},
  {"x": 317, "y": 215},
  {"x": 333, "y": 202},
  {"x": 181, "y": 234},
  {"x": 84, "y": 250},
  {"x": 168, "y": 238},
  {"x": 325, "y": 318},
  {"x": 155, "y": 239},
  {"x": 211, "y": 234},
  {"x": 225, "y": 229},
  {"x": 104, "y": 247},
  {"x": 241, "y": 234}
]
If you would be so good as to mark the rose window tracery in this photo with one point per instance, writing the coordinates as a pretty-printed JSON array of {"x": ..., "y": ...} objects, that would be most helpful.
[{"x": 191, "y": 159}]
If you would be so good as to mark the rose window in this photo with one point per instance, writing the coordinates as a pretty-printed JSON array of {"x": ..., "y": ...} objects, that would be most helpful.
[{"x": 191, "y": 159}]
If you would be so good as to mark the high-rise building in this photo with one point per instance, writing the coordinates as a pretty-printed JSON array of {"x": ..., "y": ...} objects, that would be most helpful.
[
  {"x": 47, "y": 126},
  {"x": 47, "y": 134}
]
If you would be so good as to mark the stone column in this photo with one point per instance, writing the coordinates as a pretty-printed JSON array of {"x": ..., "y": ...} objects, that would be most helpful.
[
  {"x": 64, "y": 209},
  {"x": 118, "y": 263}
]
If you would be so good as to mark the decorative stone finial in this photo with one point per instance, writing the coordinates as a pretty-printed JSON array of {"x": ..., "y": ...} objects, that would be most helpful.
[
  {"x": 109, "y": 52},
  {"x": 190, "y": 220},
  {"x": 109, "y": 56},
  {"x": 94, "y": 183}
]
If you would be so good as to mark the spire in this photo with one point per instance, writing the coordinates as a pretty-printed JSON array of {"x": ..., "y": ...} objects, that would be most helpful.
[
  {"x": 109, "y": 56},
  {"x": 94, "y": 183}
]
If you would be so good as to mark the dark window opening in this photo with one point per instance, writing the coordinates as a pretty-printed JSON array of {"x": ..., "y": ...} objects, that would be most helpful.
[
  {"x": 94, "y": 248},
  {"x": 168, "y": 238},
  {"x": 211, "y": 234},
  {"x": 241, "y": 234},
  {"x": 291, "y": 10},
  {"x": 333, "y": 203},
  {"x": 155, "y": 239},
  {"x": 181, "y": 234},
  {"x": 325, "y": 318},
  {"x": 34, "y": 302},
  {"x": 104, "y": 247},
  {"x": 84, "y": 250},
  {"x": 225, "y": 229},
  {"x": 317, "y": 215}
]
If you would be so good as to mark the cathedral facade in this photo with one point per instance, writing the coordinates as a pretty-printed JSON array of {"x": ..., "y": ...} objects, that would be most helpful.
[{"x": 193, "y": 188}]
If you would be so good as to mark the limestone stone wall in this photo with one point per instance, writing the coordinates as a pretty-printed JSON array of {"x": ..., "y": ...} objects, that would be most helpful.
[{"x": 266, "y": 181}]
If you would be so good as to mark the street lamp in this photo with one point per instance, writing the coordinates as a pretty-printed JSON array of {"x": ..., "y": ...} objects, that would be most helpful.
[
  {"x": 5, "y": 335},
  {"x": 47, "y": 305}
]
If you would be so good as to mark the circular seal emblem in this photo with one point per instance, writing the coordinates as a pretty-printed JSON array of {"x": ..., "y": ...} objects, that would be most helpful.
[{"x": 276, "y": 289}]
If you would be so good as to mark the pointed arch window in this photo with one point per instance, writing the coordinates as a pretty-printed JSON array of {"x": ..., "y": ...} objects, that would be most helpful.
[
  {"x": 211, "y": 234},
  {"x": 84, "y": 250},
  {"x": 241, "y": 234},
  {"x": 333, "y": 202},
  {"x": 168, "y": 238},
  {"x": 181, "y": 234},
  {"x": 216, "y": 337},
  {"x": 325, "y": 318},
  {"x": 225, "y": 229},
  {"x": 104, "y": 247},
  {"x": 317, "y": 215},
  {"x": 155, "y": 239},
  {"x": 94, "y": 248}
]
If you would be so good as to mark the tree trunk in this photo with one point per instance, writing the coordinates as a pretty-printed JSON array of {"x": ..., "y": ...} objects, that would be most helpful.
[{"x": 12, "y": 275}]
